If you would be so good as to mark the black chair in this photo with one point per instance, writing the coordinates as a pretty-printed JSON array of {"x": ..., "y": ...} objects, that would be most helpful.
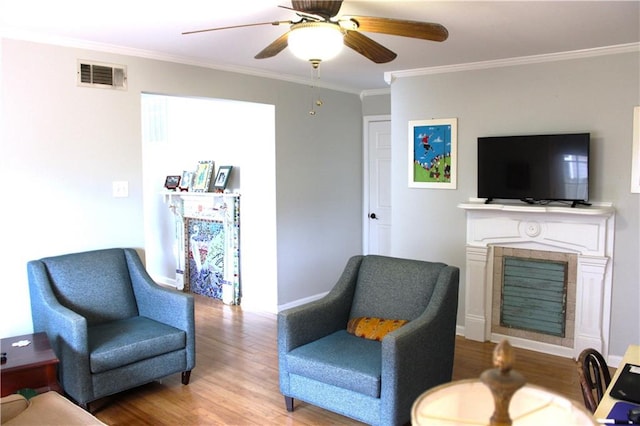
[{"x": 594, "y": 377}]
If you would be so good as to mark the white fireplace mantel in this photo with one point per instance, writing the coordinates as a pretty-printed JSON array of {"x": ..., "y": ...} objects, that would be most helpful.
[{"x": 586, "y": 231}]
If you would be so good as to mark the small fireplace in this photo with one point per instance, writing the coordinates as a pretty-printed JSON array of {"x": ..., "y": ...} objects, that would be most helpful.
[
  {"x": 581, "y": 238},
  {"x": 207, "y": 243},
  {"x": 534, "y": 295}
]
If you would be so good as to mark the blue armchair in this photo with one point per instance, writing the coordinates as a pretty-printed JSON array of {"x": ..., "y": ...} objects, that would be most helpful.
[
  {"x": 110, "y": 325},
  {"x": 372, "y": 381}
]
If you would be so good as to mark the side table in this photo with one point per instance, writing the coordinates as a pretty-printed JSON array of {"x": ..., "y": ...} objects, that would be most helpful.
[{"x": 32, "y": 366}]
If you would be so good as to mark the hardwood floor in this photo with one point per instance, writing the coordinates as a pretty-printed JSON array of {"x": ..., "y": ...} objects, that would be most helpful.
[{"x": 235, "y": 381}]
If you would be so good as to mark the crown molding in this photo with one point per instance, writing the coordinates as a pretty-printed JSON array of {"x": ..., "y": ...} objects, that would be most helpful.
[
  {"x": 10, "y": 33},
  {"x": 390, "y": 76},
  {"x": 375, "y": 92}
]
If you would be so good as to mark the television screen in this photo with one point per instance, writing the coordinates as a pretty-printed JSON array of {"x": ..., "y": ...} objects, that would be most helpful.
[{"x": 534, "y": 168}]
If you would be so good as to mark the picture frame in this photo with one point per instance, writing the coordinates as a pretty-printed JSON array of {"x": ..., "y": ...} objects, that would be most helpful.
[
  {"x": 222, "y": 178},
  {"x": 202, "y": 176},
  {"x": 186, "y": 181},
  {"x": 635, "y": 152},
  {"x": 433, "y": 153},
  {"x": 171, "y": 182}
]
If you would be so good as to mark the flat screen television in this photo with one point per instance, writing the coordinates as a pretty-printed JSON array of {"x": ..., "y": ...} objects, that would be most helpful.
[{"x": 534, "y": 168}]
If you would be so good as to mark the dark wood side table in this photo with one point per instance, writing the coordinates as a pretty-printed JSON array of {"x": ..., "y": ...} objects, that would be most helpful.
[{"x": 32, "y": 366}]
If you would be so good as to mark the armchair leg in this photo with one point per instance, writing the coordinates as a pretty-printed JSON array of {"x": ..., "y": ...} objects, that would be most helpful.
[
  {"x": 288, "y": 402},
  {"x": 186, "y": 375}
]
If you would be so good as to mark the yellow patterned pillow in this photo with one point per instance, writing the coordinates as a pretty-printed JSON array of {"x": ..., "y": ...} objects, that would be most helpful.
[{"x": 373, "y": 328}]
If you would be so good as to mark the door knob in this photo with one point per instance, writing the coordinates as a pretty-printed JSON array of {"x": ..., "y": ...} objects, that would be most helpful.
[{"x": 373, "y": 216}]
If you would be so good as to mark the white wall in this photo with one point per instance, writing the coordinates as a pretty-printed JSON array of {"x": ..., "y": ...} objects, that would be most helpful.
[
  {"x": 595, "y": 95},
  {"x": 376, "y": 103},
  {"x": 62, "y": 147}
]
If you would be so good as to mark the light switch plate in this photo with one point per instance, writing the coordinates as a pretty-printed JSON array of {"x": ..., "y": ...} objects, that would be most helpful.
[{"x": 121, "y": 189}]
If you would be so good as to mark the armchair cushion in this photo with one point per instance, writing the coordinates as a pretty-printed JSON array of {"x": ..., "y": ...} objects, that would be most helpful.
[
  {"x": 124, "y": 342},
  {"x": 83, "y": 282},
  {"x": 379, "y": 292},
  {"x": 373, "y": 328},
  {"x": 340, "y": 359}
]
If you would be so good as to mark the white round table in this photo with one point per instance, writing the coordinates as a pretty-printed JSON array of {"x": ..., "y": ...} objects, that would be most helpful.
[{"x": 469, "y": 402}]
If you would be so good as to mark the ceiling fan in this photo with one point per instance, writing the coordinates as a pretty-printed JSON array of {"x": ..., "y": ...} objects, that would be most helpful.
[{"x": 321, "y": 17}]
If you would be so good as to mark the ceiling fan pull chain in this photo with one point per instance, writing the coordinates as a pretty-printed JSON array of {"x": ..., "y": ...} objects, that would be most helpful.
[{"x": 315, "y": 98}]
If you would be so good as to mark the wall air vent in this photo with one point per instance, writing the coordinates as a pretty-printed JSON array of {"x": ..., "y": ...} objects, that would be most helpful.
[{"x": 94, "y": 74}]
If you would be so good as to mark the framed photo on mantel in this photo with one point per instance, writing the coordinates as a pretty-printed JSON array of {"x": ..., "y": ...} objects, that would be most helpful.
[
  {"x": 202, "y": 178},
  {"x": 222, "y": 178},
  {"x": 186, "y": 181},
  {"x": 171, "y": 182}
]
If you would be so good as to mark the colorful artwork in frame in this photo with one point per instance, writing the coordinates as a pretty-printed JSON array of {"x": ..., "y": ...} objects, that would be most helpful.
[
  {"x": 432, "y": 150},
  {"x": 205, "y": 245},
  {"x": 202, "y": 178}
]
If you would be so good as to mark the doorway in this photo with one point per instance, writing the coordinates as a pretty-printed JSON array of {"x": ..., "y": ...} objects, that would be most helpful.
[
  {"x": 377, "y": 185},
  {"x": 178, "y": 133}
]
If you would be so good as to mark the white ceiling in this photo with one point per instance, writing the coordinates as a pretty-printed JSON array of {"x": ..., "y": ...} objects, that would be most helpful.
[{"x": 478, "y": 31}]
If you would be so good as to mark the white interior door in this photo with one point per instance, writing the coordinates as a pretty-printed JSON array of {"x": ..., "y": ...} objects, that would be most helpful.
[{"x": 378, "y": 182}]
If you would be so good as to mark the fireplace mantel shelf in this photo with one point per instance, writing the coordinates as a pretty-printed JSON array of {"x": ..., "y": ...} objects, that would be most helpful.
[
  {"x": 600, "y": 209},
  {"x": 168, "y": 194}
]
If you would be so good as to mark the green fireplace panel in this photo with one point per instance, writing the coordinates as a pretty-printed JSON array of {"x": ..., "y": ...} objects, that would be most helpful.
[{"x": 534, "y": 295}]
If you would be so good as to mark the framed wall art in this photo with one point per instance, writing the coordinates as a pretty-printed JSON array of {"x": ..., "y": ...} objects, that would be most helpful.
[
  {"x": 202, "y": 177},
  {"x": 222, "y": 178},
  {"x": 432, "y": 152}
]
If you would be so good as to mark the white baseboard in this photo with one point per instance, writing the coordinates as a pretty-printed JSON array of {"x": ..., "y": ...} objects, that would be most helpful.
[
  {"x": 302, "y": 301},
  {"x": 614, "y": 361},
  {"x": 165, "y": 281}
]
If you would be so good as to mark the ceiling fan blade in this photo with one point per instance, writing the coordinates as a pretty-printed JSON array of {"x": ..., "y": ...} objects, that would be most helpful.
[
  {"x": 368, "y": 48},
  {"x": 274, "y": 48},
  {"x": 237, "y": 26},
  {"x": 400, "y": 27},
  {"x": 325, "y": 8},
  {"x": 303, "y": 14}
]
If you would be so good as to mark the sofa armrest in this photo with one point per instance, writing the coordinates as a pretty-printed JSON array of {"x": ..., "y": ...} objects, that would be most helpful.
[
  {"x": 162, "y": 304},
  {"x": 12, "y": 406},
  {"x": 419, "y": 355},
  {"x": 51, "y": 408}
]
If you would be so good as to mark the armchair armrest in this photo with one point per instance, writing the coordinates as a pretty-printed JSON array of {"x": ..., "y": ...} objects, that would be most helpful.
[
  {"x": 303, "y": 324},
  {"x": 161, "y": 304},
  {"x": 419, "y": 355},
  {"x": 67, "y": 330}
]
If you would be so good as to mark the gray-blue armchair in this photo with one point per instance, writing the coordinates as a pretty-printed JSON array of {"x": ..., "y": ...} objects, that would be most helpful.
[
  {"x": 109, "y": 324},
  {"x": 372, "y": 381}
]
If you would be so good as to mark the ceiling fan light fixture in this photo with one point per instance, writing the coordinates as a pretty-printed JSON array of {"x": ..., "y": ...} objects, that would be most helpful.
[{"x": 315, "y": 41}]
